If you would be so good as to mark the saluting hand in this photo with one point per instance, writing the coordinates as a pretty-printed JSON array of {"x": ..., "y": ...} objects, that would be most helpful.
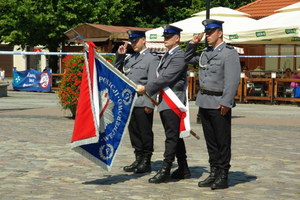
[
  {"x": 123, "y": 48},
  {"x": 197, "y": 38}
]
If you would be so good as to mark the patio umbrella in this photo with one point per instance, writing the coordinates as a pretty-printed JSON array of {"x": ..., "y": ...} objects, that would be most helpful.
[
  {"x": 234, "y": 21},
  {"x": 279, "y": 28}
]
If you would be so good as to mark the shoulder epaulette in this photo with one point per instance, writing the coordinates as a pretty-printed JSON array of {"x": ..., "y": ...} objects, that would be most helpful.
[
  {"x": 229, "y": 46},
  {"x": 153, "y": 53}
]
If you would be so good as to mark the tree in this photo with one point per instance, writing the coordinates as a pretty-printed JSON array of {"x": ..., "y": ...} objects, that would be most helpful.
[
  {"x": 158, "y": 12},
  {"x": 233, "y": 4},
  {"x": 43, "y": 22}
]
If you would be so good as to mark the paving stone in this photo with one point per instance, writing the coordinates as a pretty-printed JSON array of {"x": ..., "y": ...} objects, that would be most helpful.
[{"x": 37, "y": 162}]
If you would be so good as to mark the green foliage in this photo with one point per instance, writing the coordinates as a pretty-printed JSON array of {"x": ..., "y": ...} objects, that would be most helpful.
[
  {"x": 158, "y": 12},
  {"x": 43, "y": 22},
  {"x": 233, "y": 4},
  {"x": 110, "y": 59}
]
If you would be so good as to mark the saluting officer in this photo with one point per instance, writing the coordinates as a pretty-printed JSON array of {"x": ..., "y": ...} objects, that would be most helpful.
[
  {"x": 219, "y": 75},
  {"x": 140, "y": 67},
  {"x": 172, "y": 73}
]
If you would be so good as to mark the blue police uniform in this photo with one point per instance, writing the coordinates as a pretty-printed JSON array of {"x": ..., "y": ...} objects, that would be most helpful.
[
  {"x": 172, "y": 72},
  {"x": 219, "y": 75},
  {"x": 140, "y": 67}
]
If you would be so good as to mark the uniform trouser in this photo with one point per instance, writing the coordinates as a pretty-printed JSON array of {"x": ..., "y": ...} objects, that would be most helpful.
[
  {"x": 140, "y": 131},
  {"x": 174, "y": 146},
  {"x": 217, "y": 133}
]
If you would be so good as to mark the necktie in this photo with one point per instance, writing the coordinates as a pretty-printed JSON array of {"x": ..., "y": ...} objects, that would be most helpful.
[{"x": 137, "y": 55}]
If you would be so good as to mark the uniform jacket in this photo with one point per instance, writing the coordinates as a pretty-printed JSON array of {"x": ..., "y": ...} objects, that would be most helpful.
[
  {"x": 141, "y": 70},
  {"x": 172, "y": 73},
  {"x": 222, "y": 73}
]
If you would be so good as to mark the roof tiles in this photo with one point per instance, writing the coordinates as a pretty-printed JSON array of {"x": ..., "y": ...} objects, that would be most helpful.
[
  {"x": 118, "y": 29},
  {"x": 263, "y": 8}
]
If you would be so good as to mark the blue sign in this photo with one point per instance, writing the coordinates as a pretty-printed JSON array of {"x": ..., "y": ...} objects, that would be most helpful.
[{"x": 32, "y": 80}]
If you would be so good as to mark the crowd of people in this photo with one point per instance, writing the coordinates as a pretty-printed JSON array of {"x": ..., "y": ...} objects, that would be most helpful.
[
  {"x": 282, "y": 86},
  {"x": 219, "y": 76}
]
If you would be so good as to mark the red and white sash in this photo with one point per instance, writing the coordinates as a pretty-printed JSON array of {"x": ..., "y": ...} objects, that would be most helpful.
[{"x": 179, "y": 108}]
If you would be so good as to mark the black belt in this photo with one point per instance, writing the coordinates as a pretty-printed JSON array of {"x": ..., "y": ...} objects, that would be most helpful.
[
  {"x": 177, "y": 88},
  {"x": 210, "y": 92}
]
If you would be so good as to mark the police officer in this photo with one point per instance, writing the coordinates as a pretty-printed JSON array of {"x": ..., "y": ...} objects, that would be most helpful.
[
  {"x": 219, "y": 75},
  {"x": 140, "y": 67},
  {"x": 172, "y": 73}
]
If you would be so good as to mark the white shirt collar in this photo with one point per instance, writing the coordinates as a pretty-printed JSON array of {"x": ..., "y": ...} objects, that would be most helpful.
[
  {"x": 218, "y": 45},
  {"x": 143, "y": 51},
  {"x": 171, "y": 50}
]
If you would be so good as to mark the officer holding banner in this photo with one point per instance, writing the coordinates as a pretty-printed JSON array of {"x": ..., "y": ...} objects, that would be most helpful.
[
  {"x": 219, "y": 75},
  {"x": 140, "y": 68},
  {"x": 171, "y": 74}
]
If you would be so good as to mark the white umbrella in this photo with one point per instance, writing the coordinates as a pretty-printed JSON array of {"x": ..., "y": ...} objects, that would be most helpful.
[
  {"x": 279, "y": 28},
  {"x": 233, "y": 21},
  {"x": 293, "y": 7}
]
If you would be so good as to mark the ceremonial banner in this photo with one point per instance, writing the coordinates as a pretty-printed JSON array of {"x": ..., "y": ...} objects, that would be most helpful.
[
  {"x": 104, "y": 108},
  {"x": 32, "y": 80}
]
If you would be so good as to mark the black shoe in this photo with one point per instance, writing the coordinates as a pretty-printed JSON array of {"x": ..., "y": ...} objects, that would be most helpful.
[
  {"x": 214, "y": 172},
  {"x": 144, "y": 166},
  {"x": 163, "y": 175},
  {"x": 133, "y": 166},
  {"x": 222, "y": 180},
  {"x": 182, "y": 172}
]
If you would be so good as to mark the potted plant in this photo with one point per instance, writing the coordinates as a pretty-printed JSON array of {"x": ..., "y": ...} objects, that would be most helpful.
[{"x": 69, "y": 87}]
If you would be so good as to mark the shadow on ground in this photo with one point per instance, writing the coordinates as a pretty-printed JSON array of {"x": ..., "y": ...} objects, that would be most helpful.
[
  {"x": 238, "y": 177},
  {"x": 114, "y": 179}
]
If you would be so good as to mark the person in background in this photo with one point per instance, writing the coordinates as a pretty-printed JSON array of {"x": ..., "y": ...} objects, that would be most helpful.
[
  {"x": 297, "y": 76},
  {"x": 140, "y": 67},
  {"x": 219, "y": 77},
  {"x": 172, "y": 76},
  {"x": 250, "y": 85},
  {"x": 288, "y": 74},
  {"x": 260, "y": 74},
  {"x": 245, "y": 70}
]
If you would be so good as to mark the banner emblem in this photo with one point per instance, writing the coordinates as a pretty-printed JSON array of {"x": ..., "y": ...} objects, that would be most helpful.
[
  {"x": 104, "y": 110},
  {"x": 44, "y": 80}
]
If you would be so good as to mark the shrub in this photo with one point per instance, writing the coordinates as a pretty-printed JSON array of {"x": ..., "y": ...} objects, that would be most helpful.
[{"x": 69, "y": 87}]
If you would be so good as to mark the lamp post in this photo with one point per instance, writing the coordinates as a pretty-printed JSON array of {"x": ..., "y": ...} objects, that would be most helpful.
[
  {"x": 206, "y": 44},
  {"x": 207, "y": 15}
]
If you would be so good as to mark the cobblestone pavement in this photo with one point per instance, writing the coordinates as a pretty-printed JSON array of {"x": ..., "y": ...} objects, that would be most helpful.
[{"x": 37, "y": 163}]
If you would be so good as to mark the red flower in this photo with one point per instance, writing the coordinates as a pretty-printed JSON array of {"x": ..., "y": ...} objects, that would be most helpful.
[{"x": 71, "y": 81}]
